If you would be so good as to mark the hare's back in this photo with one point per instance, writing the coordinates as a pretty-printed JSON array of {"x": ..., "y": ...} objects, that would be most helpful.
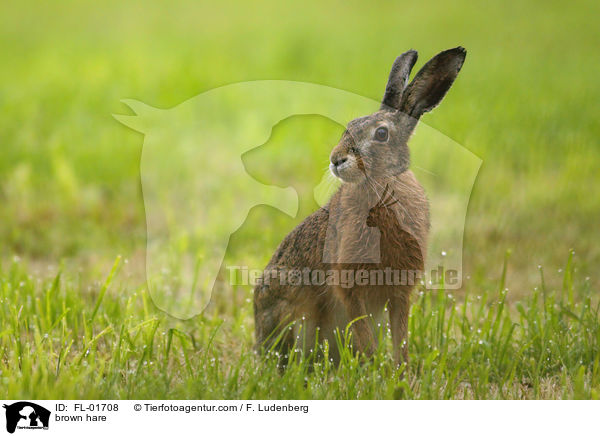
[{"x": 303, "y": 246}]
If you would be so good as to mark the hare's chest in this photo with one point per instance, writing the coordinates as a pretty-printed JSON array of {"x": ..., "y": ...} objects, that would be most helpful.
[{"x": 354, "y": 242}]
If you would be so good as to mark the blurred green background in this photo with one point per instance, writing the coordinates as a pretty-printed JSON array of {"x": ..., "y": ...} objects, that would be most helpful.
[{"x": 525, "y": 103}]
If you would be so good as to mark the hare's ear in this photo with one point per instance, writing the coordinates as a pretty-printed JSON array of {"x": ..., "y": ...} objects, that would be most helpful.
[
  {"x": 398, "y": 79},
  {"x": 432, "y": 82}
]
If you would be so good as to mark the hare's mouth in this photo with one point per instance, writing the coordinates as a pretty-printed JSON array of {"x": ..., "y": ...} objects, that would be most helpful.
[{"x": 346, "y": 170}]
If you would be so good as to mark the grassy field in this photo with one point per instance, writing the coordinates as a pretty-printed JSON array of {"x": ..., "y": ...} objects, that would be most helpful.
[
  {"x": 75, "y": 323},
  {"x": 62, "y": 341}
]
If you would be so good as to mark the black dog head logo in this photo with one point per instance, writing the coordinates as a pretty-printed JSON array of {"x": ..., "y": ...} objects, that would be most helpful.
[{"x": 27, "y": 415}]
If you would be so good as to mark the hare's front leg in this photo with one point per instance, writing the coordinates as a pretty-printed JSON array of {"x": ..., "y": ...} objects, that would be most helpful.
[
  {"x": 399, "y": 307},
  {"x": 355, "y": 306}
]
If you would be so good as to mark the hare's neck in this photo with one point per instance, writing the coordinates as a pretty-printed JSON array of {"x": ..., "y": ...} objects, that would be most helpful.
[
  {"x": 368, "y": 190},
  {"x": 360, "y": 194}
]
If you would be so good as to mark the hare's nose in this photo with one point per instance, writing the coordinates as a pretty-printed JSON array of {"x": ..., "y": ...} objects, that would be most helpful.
[{"x": 339, "y": 160}]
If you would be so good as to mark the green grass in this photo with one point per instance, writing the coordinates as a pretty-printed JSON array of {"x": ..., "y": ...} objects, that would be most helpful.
[
  {"x": 70, "y": 198},
  {"x": 109, "y": 342}
]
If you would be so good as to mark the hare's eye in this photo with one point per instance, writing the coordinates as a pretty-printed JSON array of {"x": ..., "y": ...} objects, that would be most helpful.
[{"x": 381, "y": 134}]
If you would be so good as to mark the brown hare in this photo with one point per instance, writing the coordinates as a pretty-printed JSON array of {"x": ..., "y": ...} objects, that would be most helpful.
[{"x": 374, "y": 229}]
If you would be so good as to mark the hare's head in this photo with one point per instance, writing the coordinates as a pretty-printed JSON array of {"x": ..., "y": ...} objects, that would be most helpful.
[{"x": 377, "y": 144}]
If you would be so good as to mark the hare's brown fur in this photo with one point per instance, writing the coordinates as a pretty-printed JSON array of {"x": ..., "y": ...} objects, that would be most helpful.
[{"x": 382, "y": 193}]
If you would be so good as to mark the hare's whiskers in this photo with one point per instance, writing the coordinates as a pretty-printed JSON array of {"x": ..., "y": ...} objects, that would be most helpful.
[{"x": 424, "y": 170}]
